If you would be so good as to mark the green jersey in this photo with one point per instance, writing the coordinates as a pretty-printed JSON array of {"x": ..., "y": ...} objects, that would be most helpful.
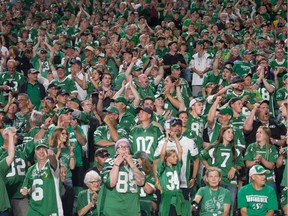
[
  {"x": 238, "y": 121},
  {"x": 257, "y": 202},
  {"x": 102, "y": 133},
  {"x": 14, "y": 82},
  {"x": 281, "y": 94},
  {"x": 64, "y": 158},
  {"x": 123, "y": 199},
  {"x": 4, "y": 199},
  {"x": 265, "y": 95},
  {"x": 196, "y": 124},
  {"x": 284, "y": 182},
  {"x": 145, "y": 139},
  {"x": 83, "y": 199},
  {"x": 149, "y": 91},
  {"x": 16, "y": 173},
  {"x": 169, "y": 106},
  {"x": 241, "y": 67},
  {"x": 44, "y": 196},
  {"x": 29, "y": 144},
  {"x": 67, "y": 84},
  {"x": 275, "y": 64},
  {"x": 45, "y": 68},
  {"x": 270, "y": 154},
  {"x": 126, "y": 121},
  {"x": 21, "y": 122},
  {"x": 221, "y": 156},
  {"x": 212, "y": 201},
  {"x": 151, "y": 181},
  {"x": 185, "y": 91}
]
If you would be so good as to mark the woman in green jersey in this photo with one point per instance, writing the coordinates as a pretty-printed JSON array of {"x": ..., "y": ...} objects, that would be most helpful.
[
  {"x": 263, "y": 153},
  {"x": 168, "y": 173},
  {"x": 212, "y": 199},
  {"x": 224, "y": 155},
  {"x": 86, "y": 202}
]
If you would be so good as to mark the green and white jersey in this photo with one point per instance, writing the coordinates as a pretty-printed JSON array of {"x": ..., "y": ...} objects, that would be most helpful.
[
  {"x": 169, "y": 177},
  {"x": 270, "y": 154},
  {"x": 241, "y": 67},
  {"x": 145, "y": 139},
  {"x": 265, "y": 95},
  {"x": 13, "y": 81},
  {"x": 275, "y": 64},
  {"x": 281, "y": 94},
  {"x": 221, "y": 156},
  {"x": 251, "y": 99},
  {"x": 44, "y": 193},
  {"x": 190, "y": 151},
  {"x": 169, "y": 106},
  {"x": 284, "y": 182},
  {"x": 67, "y": 84},
  {"x": 83, "y": 199},
  {"x": 238, "y": 121},
  {"x": 123, "y": 199},
  {"x": 4, "y": 199},
  {"x": 212, "y": 201},
  {"x": 185, "y": 91},
  {"x": 257, "y": 202},
  {"x": 151, "y": 181},
  {"x": 64, "y": 158},
  {"x": 102, "y": 133},
  {"x": 45, "y": 68},
  {"x": 126, "y": 121},
  {"x": 196, "y": 124},
  {"x": 149, "y": 91},
  {"x": 16, "y": 173}
]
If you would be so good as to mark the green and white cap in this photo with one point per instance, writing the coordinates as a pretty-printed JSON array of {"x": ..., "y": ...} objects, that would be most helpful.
[
  {"x": 258, "y": 170},
  {"x": 41, "y": 143}
]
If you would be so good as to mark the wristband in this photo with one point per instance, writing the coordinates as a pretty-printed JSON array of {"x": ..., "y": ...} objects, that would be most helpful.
[{"x": 276, "y": 142}]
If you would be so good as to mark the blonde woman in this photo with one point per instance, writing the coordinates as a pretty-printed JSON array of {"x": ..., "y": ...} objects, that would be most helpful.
[{"x": 263, "y": 153}]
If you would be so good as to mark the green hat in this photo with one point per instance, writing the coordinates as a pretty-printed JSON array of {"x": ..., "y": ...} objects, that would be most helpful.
[
  {"x": 65, "y": 18},
  {"x": 111, "y": 109},
  {"x": 60, "y": 66},
  {"x": 225, "y": 110},
  {"x": 258, "y": 170},
  {"x": 120, "y": 99},
  {"x": 136, "y": 68},
  {"x": 175, "y": 66},
  {"x": 64, "y": 110},
  {"x": 285, "y": 77},
  {"x": 53, "y": 5},
  {"x": 41, "y": 143}
]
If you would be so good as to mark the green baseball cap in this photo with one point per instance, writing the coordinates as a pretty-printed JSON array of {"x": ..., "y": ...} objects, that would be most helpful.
[
  {"x": 225, "y": 110},
  {"x": 258, "y": 170},
  {"x": 159, "y": 95},
  {"x": 136, "y": 68},
  {"x": 175, "y": 66},
  {"x": 285, "y": 76},
  {"x": 140, "y": 154},
  {"x": 111, "y": 109},
  {"x": 65, "y": 18},
  {"x": 64, "y": 110},
  {"x": 60, "y": 66},
  {"x": 120, "y": 99},
  {"x": 41, "y": 143}
]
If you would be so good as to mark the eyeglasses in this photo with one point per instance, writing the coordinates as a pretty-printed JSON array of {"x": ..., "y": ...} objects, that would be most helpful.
[{"x": 123, "y": 147}]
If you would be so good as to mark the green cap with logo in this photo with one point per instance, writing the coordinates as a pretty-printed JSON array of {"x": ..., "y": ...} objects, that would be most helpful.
[
  {"x": 111, "y": 109},
  {"x": 258, "y": 170},
  {"x": 136, "y": 68},
  {"x": 175, "y": 66},
  {"x": 120, "y": 99},
  {"x": 225, "y": 110},
  {"x": 41, "y": 143},
  {"x": 64, "y": 110}
]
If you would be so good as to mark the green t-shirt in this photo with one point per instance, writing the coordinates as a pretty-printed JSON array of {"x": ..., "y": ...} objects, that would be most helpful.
[
  {"x": 151, "y": 181},
  {"x": 44, "y": 197},
  {"x": 33, "y": 92},
  {"x": 212, "y": 202},
  {"x": 4, "y": 199},
  {"x": 281, "y": 94},
  {"x": 123, "y": 199},
  {"x": 241, "y": 67},
  {"x": 145, "y": 139},
  {"x": 45, "y": 68},
  {"x": 275, "y": 64},
  {"x": 269, "y": 154},
  {"x": 83, "y": 199},
  {"x": 221, "y": 156},
  {"x": 257, "y": 202},
  {"x": 127, "y": 120}
]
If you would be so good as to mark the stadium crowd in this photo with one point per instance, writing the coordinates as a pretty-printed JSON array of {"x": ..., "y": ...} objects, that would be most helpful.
[{"x": 143, "y": 107}]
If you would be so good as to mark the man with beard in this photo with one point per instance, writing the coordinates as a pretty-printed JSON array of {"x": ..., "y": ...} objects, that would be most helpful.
[
  {"x": 247, "y": 98},
  {"x": 251, "y": 126},
  {"x": 190, "y": 153}
]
